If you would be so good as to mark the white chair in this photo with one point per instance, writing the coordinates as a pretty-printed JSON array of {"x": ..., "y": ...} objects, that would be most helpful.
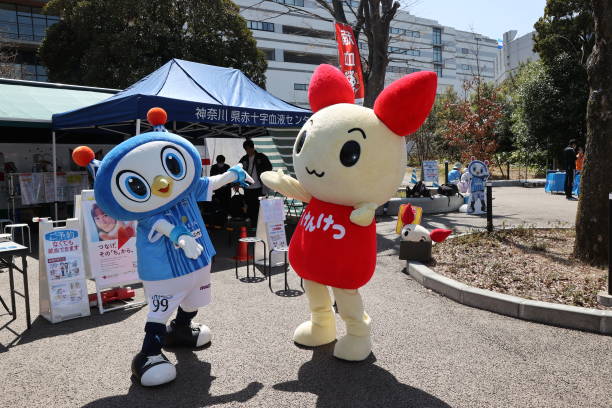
[{"x": 10, "y": 228}]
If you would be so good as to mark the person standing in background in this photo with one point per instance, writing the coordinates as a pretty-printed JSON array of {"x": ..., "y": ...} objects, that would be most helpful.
[
  {"x": 223, "y": 194},
  {"x": 569, "y": 158},
  {"x": 454, "y": 176},
  {"x": 579, "y": 159},
  {"x": 254, "y": 163}
]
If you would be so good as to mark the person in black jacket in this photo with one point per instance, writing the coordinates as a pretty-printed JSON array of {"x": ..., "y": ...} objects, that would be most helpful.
[
  {"x": 223, "y": 194},
  {"x": 254, "y": 163},
  {"x": 569, "y": 159}
]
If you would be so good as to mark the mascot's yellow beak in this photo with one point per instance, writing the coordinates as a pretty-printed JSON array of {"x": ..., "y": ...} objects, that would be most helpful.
[{"x": 162, "y": 186}]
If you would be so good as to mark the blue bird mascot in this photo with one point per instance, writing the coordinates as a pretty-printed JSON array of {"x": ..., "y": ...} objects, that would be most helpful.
[{"x": 155, "y": 178}]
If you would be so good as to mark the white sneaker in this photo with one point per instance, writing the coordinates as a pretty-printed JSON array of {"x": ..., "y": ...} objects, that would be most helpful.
[{"x": 154, "y": 370}]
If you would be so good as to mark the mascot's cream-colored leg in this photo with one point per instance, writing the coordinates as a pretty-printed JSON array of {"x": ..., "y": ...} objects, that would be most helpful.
[
  {"x": 321, "y": 328},
  {"x": 356, "y": 345}
]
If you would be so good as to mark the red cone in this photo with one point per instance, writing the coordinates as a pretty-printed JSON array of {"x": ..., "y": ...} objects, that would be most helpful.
[{"x": 241, "y": 251}]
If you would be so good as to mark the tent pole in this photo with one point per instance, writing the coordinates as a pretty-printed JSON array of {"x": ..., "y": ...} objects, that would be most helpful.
[
  {"x": 54, "y": 173},
  {"x": 137, "y": 127}
]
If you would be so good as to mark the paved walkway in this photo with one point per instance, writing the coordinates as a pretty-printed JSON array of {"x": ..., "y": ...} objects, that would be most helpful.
[
  {"x": 428, "y": 352},
  {"x": 514, "y": 206}
]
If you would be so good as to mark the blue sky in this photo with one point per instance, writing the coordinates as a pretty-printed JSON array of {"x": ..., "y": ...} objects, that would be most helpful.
[{"x": 488, "y": 17}]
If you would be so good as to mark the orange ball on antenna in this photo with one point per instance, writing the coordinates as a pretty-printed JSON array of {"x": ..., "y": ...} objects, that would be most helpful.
[
  {"x": 83, "y": 155},
  {"x": 157, "y": 116}
]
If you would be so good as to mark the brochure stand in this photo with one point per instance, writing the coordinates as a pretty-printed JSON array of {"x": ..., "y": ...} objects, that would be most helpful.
[
  {"x": 63, "y": 288},
  {"x": 271, "y": 229},
  {"x": 109, "y": 249}
]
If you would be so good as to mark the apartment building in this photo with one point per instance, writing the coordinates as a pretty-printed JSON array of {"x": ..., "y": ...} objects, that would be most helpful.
[
  {"x": 23, "y": 26},
  {"x": 515, "y": 52},
  {"x": 297, "y": 35}
]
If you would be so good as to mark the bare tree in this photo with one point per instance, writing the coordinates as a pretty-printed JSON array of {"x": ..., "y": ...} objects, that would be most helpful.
[
  {"x": 373, "y": 18},
  {"x": 8, "y": 58},
  {"x": 370, "y": 20}
]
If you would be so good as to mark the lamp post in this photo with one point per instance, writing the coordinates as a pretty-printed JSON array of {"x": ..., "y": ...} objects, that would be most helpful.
[
  {"x": 445, "y": 171},
  {"x": 489, "y": 186}
]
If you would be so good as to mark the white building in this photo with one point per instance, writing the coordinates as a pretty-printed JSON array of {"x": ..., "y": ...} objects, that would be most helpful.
[
  {"x": 295, "y": 42},
  {"x": 515, "y": 52}
]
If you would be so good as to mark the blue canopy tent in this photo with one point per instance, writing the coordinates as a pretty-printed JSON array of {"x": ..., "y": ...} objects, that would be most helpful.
[{"x": 201, "y": 101}]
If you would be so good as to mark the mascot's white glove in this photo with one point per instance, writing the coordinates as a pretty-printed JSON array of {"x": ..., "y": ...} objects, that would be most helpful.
[
  {"x": 190, "y": 246},
  {"x": 363, "y": 214},
  {"x": 181, "y": 237}
]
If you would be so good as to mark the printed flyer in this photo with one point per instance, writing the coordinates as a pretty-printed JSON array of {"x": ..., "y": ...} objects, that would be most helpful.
[
  {"x": 111, "y": 245},
  {"x": 64, "y": 266}
]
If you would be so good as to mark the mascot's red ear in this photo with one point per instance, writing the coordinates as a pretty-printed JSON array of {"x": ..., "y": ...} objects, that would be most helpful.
[
  {"x": 439, "y": 234},
  {"x": 408, "y": 215},
  {"x": 328, "y": 86},
  {"x": 404, "y": 105}
]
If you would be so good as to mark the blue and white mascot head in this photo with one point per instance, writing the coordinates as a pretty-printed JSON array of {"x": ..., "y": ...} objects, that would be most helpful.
[{"x": 130, "y": 185}]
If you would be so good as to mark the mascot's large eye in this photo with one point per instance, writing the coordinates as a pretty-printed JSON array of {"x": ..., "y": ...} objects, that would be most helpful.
[
  {"x": 299, "y": 143},
  {"x": 174, "y": 162},
  {"x": 349, "y": 155},
  {"x": 133, "y": 186}
]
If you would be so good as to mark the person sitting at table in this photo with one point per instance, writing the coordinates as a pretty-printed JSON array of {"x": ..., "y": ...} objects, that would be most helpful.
[
  {"x": 569, "y": 158},
  {"x": 454, "y": 176},
  {"x": 579, "y": 159}
]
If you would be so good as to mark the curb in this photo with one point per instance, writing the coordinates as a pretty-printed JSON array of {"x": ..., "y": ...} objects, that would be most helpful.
[
  {"x": 519, "y": 183},
  {"x": 571, "y": 317}
]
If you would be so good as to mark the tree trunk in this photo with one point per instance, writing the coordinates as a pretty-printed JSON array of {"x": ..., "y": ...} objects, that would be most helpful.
[
  {"x": 378, "y": 62},
  {"x": 373, "y": 19},
  {"x": 592, "y": 217}
]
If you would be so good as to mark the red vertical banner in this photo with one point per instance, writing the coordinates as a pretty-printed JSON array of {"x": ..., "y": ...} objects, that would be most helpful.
[{"x": 349, "y": 60}]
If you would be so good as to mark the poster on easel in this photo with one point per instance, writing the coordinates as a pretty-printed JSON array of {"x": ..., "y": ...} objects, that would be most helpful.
[
  {"x": 109, "y": 247},
  {"x": 271, "y": 229},
  {"x": 430, "y": 171},
  {"x": 63, "y": 288}
]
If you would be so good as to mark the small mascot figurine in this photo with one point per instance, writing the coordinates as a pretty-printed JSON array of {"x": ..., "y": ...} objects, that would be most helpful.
[
  {"x": 155, "y": 178},
  {"x": 479, "y": 173},
  {"x": 348, "y": 160},
  {"x": 417, "y": 233}
]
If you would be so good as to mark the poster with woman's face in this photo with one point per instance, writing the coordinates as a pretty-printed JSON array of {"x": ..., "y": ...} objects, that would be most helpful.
[
  {"x": 102, "y": 227},
  {"x": 111, "y": 244}
]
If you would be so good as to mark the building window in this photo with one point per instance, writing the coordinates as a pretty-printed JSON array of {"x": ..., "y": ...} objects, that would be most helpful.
[
  {"x": 438, "y": 69},
  {"x": 407, "y": 33},
  {"x": 437, "y": 54},
  {"x": 300, "y": 87},
  {"x": 465, "y": 51},
  {"x": 308, "y": 58},
  {"x": 437, "y": 36},
  {"x": 260, "y": 25},
  {"x": 270, "y": 54},
  {"x": 465, "y": 67},
  {"x": 24, "y": 22},
  {"x": 401, "y": 70},
  {"x": 28, "y": 66},
  {"x": 308, "y": 32},
  {"x": 405, "y": 51},
  {"x": 352, "y": 3},
  {"x": 299, "y": 3}
]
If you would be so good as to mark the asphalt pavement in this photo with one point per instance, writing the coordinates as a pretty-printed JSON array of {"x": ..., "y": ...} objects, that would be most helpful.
[{"x": 428, "y": 350}]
